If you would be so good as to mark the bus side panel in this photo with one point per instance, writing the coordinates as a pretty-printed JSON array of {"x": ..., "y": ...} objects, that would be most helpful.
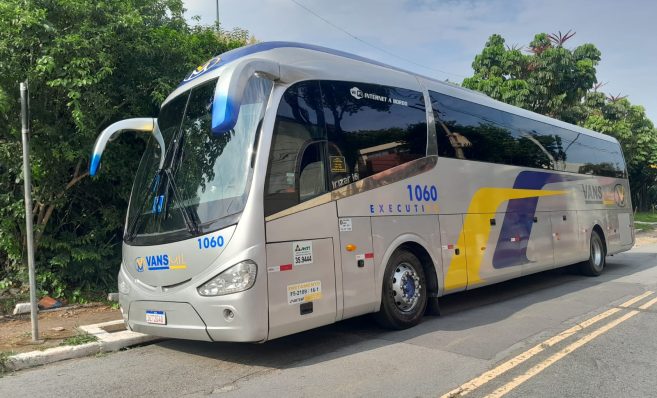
[
  {"x": 482, "y": 236},
  {"x": 359, "y": 291},
  {"x": 526, "y": 244},
  {"x": 587, "y": 220},
  {"x": 313, "y": 223},
  {"x": 565, "y": 237},
  {"x": 301, "y": 296},
  {"x": 612, "y": 236},
  {"x": 453, "y": 253},
  {"x": 625, "y": 228},
  {"x": 388, "y": 233}
]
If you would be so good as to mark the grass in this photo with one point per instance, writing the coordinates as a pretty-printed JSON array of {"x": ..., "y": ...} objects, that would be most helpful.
[
  {"x": 644, "y": 227},
  {"x": 4, "y": 357},
  {"x": 645, "y": 216},
  {"x": 7, "y": 304},
  {"x": 80, "y": 338}
]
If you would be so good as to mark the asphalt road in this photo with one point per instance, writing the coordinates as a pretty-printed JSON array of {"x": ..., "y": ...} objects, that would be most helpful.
[{"x": 545, "y": 335}]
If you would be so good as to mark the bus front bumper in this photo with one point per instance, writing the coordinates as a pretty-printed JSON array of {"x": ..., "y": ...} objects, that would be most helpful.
[
  {"x": 237, "y": 317},
  {"x": 181, "y": 320}
]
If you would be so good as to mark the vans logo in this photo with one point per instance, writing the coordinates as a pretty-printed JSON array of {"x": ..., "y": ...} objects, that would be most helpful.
[
  {"x": 160, "y": 262},
  {"x": 592, "y": 193},
  {"x": 619, "y": 195}
]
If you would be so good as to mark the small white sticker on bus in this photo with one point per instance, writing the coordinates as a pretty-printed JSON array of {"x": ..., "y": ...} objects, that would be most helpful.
[
  {"x": 302, "y": 252},
  {"x": 345, "y": 224},
  {"x": 304, "y": 292}
]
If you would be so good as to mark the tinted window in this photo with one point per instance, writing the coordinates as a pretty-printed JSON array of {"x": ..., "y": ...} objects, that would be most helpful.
[
  {"x": 298, "y": 144},
  {"x": 537, "y": 144},
  {"x": 468, "y": 130},
  {"x": 590, "y": 155},
  {"x": 371, "y": 129}
]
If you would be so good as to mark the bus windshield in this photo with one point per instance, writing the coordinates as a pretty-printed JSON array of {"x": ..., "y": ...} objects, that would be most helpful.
[{"x": 204, "y": 182}]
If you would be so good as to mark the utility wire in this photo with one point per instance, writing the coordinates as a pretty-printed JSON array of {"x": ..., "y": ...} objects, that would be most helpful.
[{"x": 370, "y": 44}]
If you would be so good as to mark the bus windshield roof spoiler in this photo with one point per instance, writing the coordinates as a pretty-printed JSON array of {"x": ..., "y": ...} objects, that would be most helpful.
[
  {"x": 143, "y": 124},
  {"x": 230, "y": 90}
]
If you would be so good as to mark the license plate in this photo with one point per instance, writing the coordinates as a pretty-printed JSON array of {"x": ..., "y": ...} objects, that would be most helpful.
[{"x": 156, "y": 317}]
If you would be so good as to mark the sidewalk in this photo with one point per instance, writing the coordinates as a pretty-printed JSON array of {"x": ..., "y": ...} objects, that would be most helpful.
[
  {"x": 110, "y": 336},
  {"x": 67, "y": 333}
]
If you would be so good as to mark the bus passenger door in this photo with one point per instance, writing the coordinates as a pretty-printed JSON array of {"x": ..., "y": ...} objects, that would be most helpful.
[
  {"x": 453, "y": 252},
  {"x": 357, "y": 265},
  {"x": 301, "y": 284}
]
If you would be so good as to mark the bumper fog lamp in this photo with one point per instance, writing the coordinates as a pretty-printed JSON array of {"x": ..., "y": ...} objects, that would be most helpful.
[{"x": 237, "y": 278}]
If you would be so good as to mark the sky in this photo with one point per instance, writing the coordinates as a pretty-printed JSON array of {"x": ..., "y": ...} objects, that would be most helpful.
[{"x": 440, "y": 38}]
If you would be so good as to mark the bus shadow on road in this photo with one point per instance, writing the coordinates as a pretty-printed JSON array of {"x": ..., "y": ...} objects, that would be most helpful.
[{"x": 480, "y": 323}]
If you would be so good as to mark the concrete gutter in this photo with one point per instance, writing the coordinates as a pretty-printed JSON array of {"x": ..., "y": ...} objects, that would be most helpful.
[{"x": 112, "y": 336}]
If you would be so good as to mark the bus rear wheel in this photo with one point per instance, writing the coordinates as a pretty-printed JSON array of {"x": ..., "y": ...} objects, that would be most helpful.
[
  {"x": 404, "y": 292},
  {"x": 597, "y": 256}
]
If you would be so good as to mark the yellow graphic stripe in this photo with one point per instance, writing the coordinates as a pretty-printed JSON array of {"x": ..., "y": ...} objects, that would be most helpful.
[
  {"x": 476, "y": 230},
  {"x": 178, "y": 267}
]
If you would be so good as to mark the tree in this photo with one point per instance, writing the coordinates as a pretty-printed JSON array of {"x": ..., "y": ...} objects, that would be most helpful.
[
  {"x": 89, "y": 63},
  {"x": 561, "y": 83},
  {"x": 550, "y": 79},
  {"x": 616, "y": 116}
]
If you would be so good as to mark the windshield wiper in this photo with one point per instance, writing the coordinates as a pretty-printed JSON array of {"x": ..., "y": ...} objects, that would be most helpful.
[
  {"x": 188, "y": 215},
  {"x": 168, "y": 184},
  {"x": 132, "y": 227}
]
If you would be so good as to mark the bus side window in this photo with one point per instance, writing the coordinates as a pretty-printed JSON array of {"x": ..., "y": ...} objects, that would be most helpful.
[
  {"x": 312, "y": 175},
  {"x": 340, "y": 173},
  {"x": 471, "y": 131},
  {"x": 299, "y": 121},
  {"x": 371, "y": 128}
]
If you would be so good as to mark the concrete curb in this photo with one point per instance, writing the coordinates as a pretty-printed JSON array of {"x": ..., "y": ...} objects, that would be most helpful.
[{"x": 112, "y": 336}]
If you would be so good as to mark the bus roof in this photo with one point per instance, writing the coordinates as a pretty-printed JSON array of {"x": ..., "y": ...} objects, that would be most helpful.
[{"x": 448, "y": 88}]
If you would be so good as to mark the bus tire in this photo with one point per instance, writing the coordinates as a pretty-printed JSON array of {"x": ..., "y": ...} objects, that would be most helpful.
[
  {"x": 597, "y": 256},
  {"x": 404, "y": 292}
]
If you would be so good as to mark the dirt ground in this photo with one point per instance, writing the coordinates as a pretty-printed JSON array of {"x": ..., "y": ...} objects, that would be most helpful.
[
  {"x": 54, "y": 326},
  {"x": 643, "y": 238}
]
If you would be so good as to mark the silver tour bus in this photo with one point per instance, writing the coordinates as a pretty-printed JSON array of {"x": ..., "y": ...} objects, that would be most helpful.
[{"x": 287, "y": 186}]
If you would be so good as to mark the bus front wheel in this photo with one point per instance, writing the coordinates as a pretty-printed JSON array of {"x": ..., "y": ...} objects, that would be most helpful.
[
  {"x": 404, "y": 292},
  {"x": 597, "y": 257}
]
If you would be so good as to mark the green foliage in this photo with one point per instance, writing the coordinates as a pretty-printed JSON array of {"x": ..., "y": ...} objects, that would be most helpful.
[
  {"x": 642, "y": 227},
  {"x": 89, "y": 63},
  {"x": 4, "y": 359},
  {"x": 638, "y": 137},
  {"x": 646, "y": 217},
  {"x": 78, "y": 339},
  {"x": 550, "y": 79},
  {"x": 559, "y": 82}
]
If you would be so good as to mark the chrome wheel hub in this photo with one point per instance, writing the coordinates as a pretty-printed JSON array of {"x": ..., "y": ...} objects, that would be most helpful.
[
  {"x": 596, "y": 253},
  {"x": 405, "y": 287}
]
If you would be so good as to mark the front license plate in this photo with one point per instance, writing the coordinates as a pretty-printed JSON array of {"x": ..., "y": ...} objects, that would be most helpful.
[{"x": 156, "y": 317}]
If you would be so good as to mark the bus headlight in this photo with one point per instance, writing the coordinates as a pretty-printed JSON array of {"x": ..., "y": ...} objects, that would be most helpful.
[{"x": 237, "y": 278}]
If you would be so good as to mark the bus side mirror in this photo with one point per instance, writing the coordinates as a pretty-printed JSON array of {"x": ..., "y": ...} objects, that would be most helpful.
[
  {"x": 145, "y": 125},
  {"x": 230, "y": 90}
]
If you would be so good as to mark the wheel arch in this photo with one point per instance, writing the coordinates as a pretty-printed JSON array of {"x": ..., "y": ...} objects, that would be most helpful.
[
  {"x": 418, "y": 246},
  {"x": 597, "y": 228}
]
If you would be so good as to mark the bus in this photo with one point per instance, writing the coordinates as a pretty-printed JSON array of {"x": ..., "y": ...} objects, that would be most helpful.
[{"x": 287, "y": 186}]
